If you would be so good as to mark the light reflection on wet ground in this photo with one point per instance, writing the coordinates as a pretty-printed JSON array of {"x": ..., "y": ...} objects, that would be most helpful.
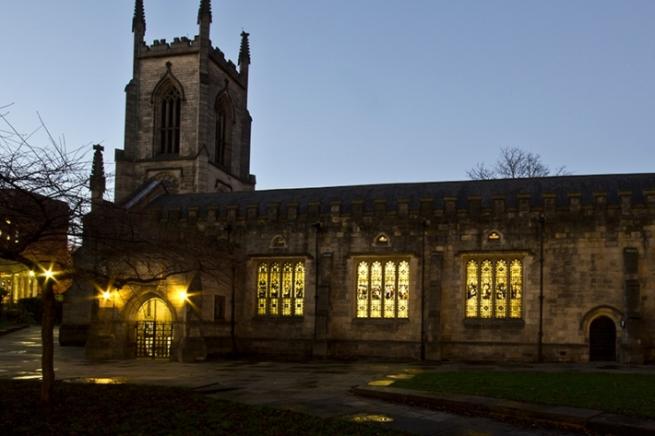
[
  {"x": 369, "y": 417},
  {"x": 380, "y": 383},
  {"x": 317, "y": 388},
  {"x": 98, "y": 380},
  {"x": 27, "y": 377}
]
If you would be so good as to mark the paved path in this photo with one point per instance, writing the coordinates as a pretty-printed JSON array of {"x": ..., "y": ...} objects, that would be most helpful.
[{"x": 316, "y": 388}]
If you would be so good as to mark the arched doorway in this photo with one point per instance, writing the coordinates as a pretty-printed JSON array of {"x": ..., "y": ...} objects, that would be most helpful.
[
  {"x": 602, "y": 340},
  {"x": 154, "y": 330}
]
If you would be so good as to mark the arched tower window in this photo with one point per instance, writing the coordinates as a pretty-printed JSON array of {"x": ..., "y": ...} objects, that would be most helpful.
[
  {"x": 170, "y": 108},
  {"x": 224, "y": 118},
  {"x": 221, "y": 136}
]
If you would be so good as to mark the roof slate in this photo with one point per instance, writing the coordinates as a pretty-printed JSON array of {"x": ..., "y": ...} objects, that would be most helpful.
[{"x": 486, "y": 190}]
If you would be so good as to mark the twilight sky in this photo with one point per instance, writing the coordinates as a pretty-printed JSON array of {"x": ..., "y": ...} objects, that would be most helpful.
[{"x": 365, "y": 91}]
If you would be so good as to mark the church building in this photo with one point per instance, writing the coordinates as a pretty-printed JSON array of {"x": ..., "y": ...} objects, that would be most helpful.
[{"x": 191, "y": 261}]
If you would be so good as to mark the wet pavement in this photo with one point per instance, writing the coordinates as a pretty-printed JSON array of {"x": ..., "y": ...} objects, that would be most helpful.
[{"x": 316, "y": 388}]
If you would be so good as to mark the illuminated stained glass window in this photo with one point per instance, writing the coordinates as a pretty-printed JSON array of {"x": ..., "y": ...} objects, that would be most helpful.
[
  {"x": 274, "y": 290},
  {"x": 494, "y": 288},
  {"x": 472, "y": 298},
  {"x": 486, "y": 283},
  {"x": 403, "y": 290},
  {"x": 382, "y": 288},
  {"x": 262, "y": 288},
  {"x": 376, "y": 290},
  {"x": 500, "y": 289},
  {"x": 280, "y": 288},
  {"x": 287, "y": 289},
  {"x": 299, "y": 289},
  {"x": 362, "y": 290},
  {"x": 516, "y": 292},
  {"x": 390, "y": 290}
]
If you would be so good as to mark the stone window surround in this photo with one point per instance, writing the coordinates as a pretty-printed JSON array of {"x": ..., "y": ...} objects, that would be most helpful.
[
  {"x": 382, "y": 257},
  {"x": 253, "y": 271},
  {"x": 494, "y": 323}
]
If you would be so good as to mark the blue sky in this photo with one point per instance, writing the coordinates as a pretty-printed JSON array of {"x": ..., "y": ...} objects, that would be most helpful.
[{"x": 366, "y": 91}]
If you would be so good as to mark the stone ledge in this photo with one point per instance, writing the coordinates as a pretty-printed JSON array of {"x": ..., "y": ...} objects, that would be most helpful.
[{"x": 582, "y": 420}]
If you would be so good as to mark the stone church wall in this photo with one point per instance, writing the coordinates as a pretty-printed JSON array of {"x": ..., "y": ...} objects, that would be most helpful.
[{"x": 583, "y": 272}]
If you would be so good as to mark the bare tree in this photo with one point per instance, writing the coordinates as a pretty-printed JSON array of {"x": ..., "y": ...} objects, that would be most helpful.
[
  {"x": 514, "y": 163},
  {"x": 51, "y": 199},
  {"x": 43, "y": 197}
]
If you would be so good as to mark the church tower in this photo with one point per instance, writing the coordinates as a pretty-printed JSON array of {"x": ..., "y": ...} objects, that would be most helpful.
[{"x": 186, "y": 120}]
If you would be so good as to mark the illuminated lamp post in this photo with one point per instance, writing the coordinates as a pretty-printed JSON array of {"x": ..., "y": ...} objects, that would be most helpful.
[{"x": 48, "y": 278}]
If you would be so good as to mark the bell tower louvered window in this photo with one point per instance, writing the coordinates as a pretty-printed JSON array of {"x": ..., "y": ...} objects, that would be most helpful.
[{"x": 170, "y": 111}]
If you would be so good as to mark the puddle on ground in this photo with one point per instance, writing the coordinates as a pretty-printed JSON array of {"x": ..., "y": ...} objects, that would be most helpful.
[
  {"x": 27, "y": 377},
  {"x": 30, "y": 344},
  {"x": 401, "y": 376},
  {"x": 381, "y": 382},
  {"x": 370, "y": 417},
  {"x": 98, "y": 380}
]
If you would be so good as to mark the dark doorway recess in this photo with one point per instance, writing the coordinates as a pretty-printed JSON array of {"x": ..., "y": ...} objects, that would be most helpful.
[{"x": 602, "y": 340}]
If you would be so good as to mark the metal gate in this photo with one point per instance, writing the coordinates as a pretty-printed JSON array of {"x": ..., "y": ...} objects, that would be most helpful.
[{"x": 154, "y": 339}]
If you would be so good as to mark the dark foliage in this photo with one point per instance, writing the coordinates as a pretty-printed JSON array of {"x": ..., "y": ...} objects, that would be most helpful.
[{"x": 152, "y": 410}]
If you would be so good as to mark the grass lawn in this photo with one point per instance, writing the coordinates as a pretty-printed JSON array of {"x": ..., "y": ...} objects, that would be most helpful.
[
  {"x": 141, "y": 410},
  {"x": 628, "y": 394}
]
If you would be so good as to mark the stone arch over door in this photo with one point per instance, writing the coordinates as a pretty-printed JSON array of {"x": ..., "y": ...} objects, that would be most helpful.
[
  {"x": 601, "y": 327},
  {"x": 152, "y": 320}
]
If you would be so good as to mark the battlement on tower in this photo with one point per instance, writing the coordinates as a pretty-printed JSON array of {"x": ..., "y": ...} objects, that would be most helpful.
[{"x": 183, "y": 45}]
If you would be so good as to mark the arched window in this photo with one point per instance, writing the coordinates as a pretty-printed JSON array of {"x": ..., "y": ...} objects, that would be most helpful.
[
  {"x": 221, "y": 136},
  {"x": 224, "y": 118},
  {"x": 170, "y": 108}
]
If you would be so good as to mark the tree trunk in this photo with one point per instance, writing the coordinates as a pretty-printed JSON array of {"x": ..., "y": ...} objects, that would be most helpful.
[{"x": 47, "y": 340}]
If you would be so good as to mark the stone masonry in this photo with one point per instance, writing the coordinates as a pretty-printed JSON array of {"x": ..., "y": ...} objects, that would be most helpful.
[{"x": 586, "y": 242}]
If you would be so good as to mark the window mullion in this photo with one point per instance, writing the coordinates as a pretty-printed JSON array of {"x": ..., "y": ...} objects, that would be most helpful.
[
  {"x": 369, "y": 287},
  {"x": 479, "y": 296},
  {"x": 508, "y": 290},
  {"x": 294, "y": 291},
  {"x": 269, "y": 273},
  {"x": 397, "y": 289},
  {"x": 494, "y": 271}
]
